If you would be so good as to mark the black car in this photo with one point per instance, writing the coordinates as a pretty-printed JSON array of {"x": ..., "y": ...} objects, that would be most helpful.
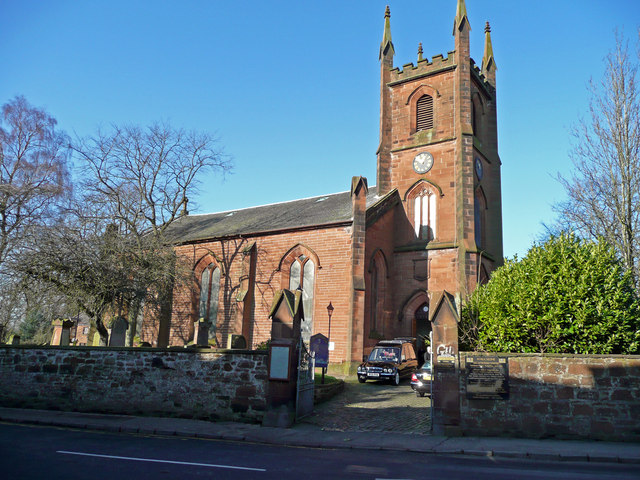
[
  {"x": 389, "y": 360},
  {"x": 421, "y": 380}
]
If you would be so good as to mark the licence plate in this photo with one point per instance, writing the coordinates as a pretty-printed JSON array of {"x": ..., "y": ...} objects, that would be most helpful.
[{"x": 374, "y": 374}]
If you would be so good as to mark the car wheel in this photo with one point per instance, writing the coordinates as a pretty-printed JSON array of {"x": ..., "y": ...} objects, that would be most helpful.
[
  {"x": 396, "y": 379},
  {"x": 419, "y": 394},
  {"x": 362, "y": 379}
]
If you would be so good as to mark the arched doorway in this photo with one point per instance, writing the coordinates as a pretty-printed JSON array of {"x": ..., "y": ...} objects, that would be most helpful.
[{"x": 422, "y": 329}]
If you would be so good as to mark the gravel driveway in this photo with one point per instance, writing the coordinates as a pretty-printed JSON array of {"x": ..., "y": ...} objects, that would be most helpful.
[{"x": 374, "y": 407}]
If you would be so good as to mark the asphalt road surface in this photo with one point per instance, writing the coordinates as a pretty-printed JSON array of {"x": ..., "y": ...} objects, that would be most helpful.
[{"x": 28, "y": 452}]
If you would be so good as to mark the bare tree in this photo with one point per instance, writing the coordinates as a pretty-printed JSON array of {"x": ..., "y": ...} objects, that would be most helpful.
[
  {"x": 78, "y": 265},
  {"x": 142, "y": 178},
  {"x": 138, "y": 181},
  {"x": 109, "y": 254},
  {"x": 11, "y": 306},
  {"x": 604, "y": 190},
  {"x": 33, "y": 171}
]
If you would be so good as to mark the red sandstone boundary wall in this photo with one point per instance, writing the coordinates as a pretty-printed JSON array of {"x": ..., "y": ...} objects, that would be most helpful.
[
  {"x": 564, "y": 396},
  {"x": 205, "y": 384}
]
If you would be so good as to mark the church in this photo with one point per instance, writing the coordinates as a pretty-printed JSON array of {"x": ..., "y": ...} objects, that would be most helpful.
[{"x": 379, "y": 255}]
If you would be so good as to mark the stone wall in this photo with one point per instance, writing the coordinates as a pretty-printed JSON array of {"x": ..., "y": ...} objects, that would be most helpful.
[
  {"x": 564, "y": 396},
  {"x": 203, "y": 383}
]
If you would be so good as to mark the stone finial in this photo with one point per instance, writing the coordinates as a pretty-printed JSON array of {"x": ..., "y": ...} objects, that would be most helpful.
[
  {"x": 357, "y": 184},
  {"x": 420, "y": 52},
  {"x": 487, "y": 28},
  {"x": 387, "y": 12},
  {"x": 185, "y": 203}
]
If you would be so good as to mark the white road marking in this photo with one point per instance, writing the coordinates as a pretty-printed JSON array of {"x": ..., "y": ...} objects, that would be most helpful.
[{"x": 115, "y": 457}]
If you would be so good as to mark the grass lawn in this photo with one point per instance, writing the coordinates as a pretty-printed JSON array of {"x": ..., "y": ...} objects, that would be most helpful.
[{"x": 327, "y": 378}]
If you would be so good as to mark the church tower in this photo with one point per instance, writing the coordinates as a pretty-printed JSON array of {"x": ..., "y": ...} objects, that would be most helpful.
[{"x": 439, "y": 150}]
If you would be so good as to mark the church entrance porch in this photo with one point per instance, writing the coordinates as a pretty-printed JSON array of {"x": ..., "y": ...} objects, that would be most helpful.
[{"x": 422, "y": 331}]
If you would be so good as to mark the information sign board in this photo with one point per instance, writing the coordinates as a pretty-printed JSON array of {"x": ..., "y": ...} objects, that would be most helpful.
[
  {"x": 487, "y": 378},
  {"x": 279, "y": 362},
  {"x": 320, "y": 345}
]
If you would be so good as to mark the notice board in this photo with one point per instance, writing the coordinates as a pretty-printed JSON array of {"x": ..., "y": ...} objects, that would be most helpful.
[{"x": 487, "y": 378}]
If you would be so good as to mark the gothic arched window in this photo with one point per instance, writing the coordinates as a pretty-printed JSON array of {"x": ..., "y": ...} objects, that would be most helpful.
[
  {"x": 423, "y": 203},
  {"x": 477, "y": 111},
  {"x": 377, "y": 292},
  {"x": 209, "y": 289},
  {"x": 302, "y": 275},
  {"x": 375, "y": 314},
  {"x": 480, "y": 218}
]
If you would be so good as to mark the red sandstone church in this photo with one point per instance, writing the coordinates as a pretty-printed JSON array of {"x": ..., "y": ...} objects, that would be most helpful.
[{"x": 379, "y": 254}]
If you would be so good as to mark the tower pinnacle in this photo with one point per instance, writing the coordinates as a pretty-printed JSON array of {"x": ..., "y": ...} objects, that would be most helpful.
[
  {"x": 488, "y": 63},
  {"x": 461, "y": 17},
  {"x": 386, "y": 47}
]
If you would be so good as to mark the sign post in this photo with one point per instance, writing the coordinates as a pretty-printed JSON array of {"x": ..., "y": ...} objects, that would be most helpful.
[{"x": 320, "y": 346}]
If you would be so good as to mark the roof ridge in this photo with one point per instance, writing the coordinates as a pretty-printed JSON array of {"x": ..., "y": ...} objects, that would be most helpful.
[{"x": 269, "y": 204}]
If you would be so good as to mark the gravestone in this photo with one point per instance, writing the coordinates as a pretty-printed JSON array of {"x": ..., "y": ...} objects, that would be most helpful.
[
  {"x": 61, "y": 332},
  {"x": 201, "y": 332},
  {"x": 236, "y": 341},
  {"x": 96, "y": 340},
  {"x": 118, "y": 335}
]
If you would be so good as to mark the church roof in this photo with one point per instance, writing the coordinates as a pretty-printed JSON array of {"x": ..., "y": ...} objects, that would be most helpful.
[{"x": 308, "y": 212}]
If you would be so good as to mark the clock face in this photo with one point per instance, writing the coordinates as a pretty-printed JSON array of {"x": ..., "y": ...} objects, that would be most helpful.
[
  {"x": 479, "y": 168},
  {"x": 423, "y": 162}
]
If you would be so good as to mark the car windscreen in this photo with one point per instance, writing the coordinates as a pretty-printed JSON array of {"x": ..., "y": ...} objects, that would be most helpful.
[{"x": 385, "y": 354}]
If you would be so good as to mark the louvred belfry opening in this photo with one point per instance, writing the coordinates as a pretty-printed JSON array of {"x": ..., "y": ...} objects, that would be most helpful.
[{"x": 424, "y": 113}]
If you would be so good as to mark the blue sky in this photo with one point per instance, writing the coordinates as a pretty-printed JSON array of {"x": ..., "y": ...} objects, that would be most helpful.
[{"x": 291, "y": 88}]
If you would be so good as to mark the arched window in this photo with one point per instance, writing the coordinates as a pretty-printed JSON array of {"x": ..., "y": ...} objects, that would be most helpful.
[
  {"x": 374, "y": 298},
  {"x": 424, "y": 113},
  {"x": 480, "y": 215},
  {"x": 302, "y": 275},
  {"x": 376, "y": 292},
  {"x": 477, "y": 111},
  {"x": 209, "y": 289},
  {"x": 423, "y": 202}
]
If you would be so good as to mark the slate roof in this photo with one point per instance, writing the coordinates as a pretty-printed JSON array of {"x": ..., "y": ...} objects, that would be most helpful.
[{"x": 321, "y": 210}]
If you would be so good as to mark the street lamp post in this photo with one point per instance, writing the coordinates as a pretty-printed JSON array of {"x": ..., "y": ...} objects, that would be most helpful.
[{"x": 329, "y": 312}]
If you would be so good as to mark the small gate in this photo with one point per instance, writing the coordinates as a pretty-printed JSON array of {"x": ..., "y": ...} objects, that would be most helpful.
[{"x": 305, "y": 381}]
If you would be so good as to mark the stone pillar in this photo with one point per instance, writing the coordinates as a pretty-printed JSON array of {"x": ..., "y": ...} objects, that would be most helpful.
[
  {"x": 286, "y": 316},
  {"x": 446, "y": 391},
  {"x": 355, "y": 331}
]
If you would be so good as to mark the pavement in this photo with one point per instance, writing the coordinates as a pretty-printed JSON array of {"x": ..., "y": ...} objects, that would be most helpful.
[
  {"x": 363, "y": 416},
  {"x": 310, "y": 435}
]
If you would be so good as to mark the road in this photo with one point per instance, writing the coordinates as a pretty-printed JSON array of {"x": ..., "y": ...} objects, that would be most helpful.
[{"x": 28, "y": 452}]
